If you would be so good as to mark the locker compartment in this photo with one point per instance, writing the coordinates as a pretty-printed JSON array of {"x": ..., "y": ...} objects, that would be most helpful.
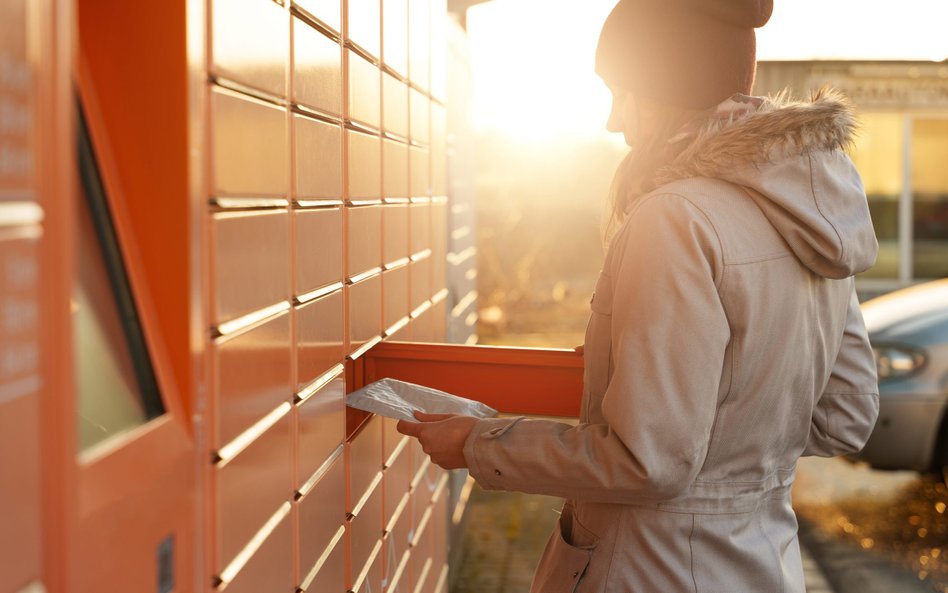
[
  {"x": 395, "y": 35},
  {"x": 318, "y": 159},
  {"x": 421, "y": 568},
  {"x": 395, "y": 293},
  {"x": 365, "y": 239},
  {"x": 395, "y": 105},
  {"x": 439, "y": 528},
  {"x": 395, "y": 232},
  {"x": 327, "y": 11},
  {"x": 320, "y": 334},
  {"x": 420, "y": 115},
  {"x": 439, "y": 171},
  {"x": 420, "y": 228},
  {"x": 365, "y": 312},
  {"x": 397, "y": 478},
  {"x": 423, "y": 328},
  {"x": 420, "y": 171},
  {"x": 318, "y": 248},
  {"x": 365, "y": 166},
  {"x": 317, "y": 69},
  {"x": 321, "y": 515},
  {"x": 365, "y": 94},
  {"x": 418, "y": 42},
  {"x": 438, "y": 316},
  {"x": 365, "y": 461},
  {"x": 331, "y": 576},
  {"x": 420, "y": 282},
  {"x": 439, "y": 49},
  {"x": 439, "y": 228},
  {"x": 270, "y": 569},
  {"x": 251, "y": 487},
  {"x": 365, "y": 25},
  {"x": 322, "y": 426},
  {"x": 372, "y": 580},
  {"x": 251, "y": 267},
  {"x": 250, "y": 42},
  {"x": 397, "y": 557},
  {"x": 248, "y": 146},
  {"x": 366, "y": 530},
  {"x": 394, "y": 169},
  {"x": 253, "y": 377}
]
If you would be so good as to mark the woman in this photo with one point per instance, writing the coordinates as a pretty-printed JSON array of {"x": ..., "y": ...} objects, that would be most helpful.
[{"x": 725, "y": 339}]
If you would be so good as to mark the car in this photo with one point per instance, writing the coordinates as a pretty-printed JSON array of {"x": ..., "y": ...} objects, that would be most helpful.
[{"x": 908, "y": 330}]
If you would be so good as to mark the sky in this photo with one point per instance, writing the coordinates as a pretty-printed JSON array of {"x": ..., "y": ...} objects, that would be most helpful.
[{"x": 532, "y": 60}]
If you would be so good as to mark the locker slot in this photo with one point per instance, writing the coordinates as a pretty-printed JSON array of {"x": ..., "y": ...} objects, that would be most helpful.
[
  {"x": 265, "y": 564},
  {"x": 365, "y": 93},
  {"x": 317, "y": 64},
  {"x": 320, "y": 337},
  {"x": 365, "y": 241},
  {"x": 318, "y": 159},
  {"x": 322, "y": 424},
  {"x": 365, "y": 314},
  {"x": 395, "y": 106},
  {"x": 365, "y": 166},
  {"x": 322, "y": 515},
  {"x": 250, "y": 43}
]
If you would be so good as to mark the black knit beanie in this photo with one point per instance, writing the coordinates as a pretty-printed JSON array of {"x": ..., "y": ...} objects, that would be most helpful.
[{"x": 687, "y": 53}]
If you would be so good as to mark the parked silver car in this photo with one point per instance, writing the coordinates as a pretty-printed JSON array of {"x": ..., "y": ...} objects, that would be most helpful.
[{"x": 909, "y": 334}]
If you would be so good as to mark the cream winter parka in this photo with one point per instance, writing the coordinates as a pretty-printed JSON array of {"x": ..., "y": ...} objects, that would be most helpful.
[{"x": 725, "y": 341}]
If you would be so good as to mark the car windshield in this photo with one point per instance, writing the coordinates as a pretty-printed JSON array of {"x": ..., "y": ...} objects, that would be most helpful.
[{"x": 903, "y": 305}]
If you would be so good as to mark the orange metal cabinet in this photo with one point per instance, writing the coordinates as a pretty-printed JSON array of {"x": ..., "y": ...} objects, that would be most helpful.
[
  {"x": 395, "y": 105},
  {"x": 319, "y": 249},
  {"x": 420, "y": 117},
  {"x": 321, "y": 429},
  {"x": 318, "y": 159},
  {"x": 365, "y": 240},
  {"x": 250, "y": 43},
  {"x": 250, "y": 152},
  {"x": 251, "y": 487},
  {"x": 365, "y": 96},
  {"x": 395, "y": 297},
  {"x": 253, "y": 376},
  {"x": 395, "y": 35},
  {"x": 320, "y": 338},
  {"x": 365, "y": 166},
  {"x": 365, "y": 25},
  {"x": 420, "y": 168},
  {"x": 395, "y": 233},
  {"x": 395, "y": 170},
  {"x": 322, "y": 516},
  {"x": 270, "y": 568},
  {"x": 317, "y": 69},
  {"x": 365, "y": 313},
  {"x": 329, "y": 573},
  {"x": 328, "y": 12},
  {"x": 251, "y": 270}
]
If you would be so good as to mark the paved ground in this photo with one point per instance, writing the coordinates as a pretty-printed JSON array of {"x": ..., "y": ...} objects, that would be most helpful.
[{"x": 504, "y": 537}]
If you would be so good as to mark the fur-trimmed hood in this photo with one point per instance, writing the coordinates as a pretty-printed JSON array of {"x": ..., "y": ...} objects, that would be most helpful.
[{"x": 790, "y": 158}]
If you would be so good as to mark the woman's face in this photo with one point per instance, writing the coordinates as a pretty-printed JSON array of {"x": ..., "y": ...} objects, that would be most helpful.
[{"x": 624, "y": 116}]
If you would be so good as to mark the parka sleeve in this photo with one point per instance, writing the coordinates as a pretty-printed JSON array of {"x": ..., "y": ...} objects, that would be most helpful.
[
  {"x": 669, "y": 335},
  {"x": 847, "y": 410}
]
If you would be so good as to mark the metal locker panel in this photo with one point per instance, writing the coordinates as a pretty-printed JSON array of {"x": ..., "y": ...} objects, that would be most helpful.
[
  {"x": 394, "y": 169},
  {"x": 395, "y": 296},
  {"x": 420, "y": 168},
  {"x": 397, "y": 481},
  {"x": 439, "y": 320},
  {"x": 420, "y": 228},
  {"x": 322, "y": 427},
  {"x": 365, "y": 94},
  {"x": 365, "y": 25},
  {"x": 439, "y": 528},
  {"x": 395, "y": 35},
  {"x": 320, "y": 335},
  {"x": 423, "y": 328},
  {"x": 270, "y": 568},
  {"x": 318, "y": 249},
  {"x": 420, "y": 565},
  {"x": 365, "y": 312},
  {"x": 439, "y": 150},
  {"x": 329, "y": 12},
  {"x": 365, "y": 461},
  {"x": 395, "y": 105},
  {"x": 366, "y": 529},
  {"x": 439, "y": 49},
  {"x": 439, "y": 229},
  {"x": 395, "y": 232},
  {"x": 419, "y": 40},
  {"x": 318, "y": 159},
  {"x": 365, "y": 166},
  {"x": 249, "y": 146},
  {"x": 251, "y": 267},
  {"x": 253, "y": 377},
  {"x": 420, "y": 117},
  {"x": 420, "y": 282},
  {"x": 331, "y": 576},
  {"x": 372, "y": 581},
  {"x": 395, "y": 569},
  {"x": 365, "y": 239},
  {"x": 321, "y": 515},
  {"x": 251, "y": 487},
  {"x": 250, "y": 42},
  {"x": 317, "y": 69}
]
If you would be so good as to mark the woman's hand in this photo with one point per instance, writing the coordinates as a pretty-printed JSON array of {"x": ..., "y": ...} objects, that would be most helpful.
[{"x": 442, "y": 436}]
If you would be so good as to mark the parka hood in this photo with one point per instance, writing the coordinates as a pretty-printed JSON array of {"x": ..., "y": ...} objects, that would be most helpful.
[{"x": 789, "y": 157}]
